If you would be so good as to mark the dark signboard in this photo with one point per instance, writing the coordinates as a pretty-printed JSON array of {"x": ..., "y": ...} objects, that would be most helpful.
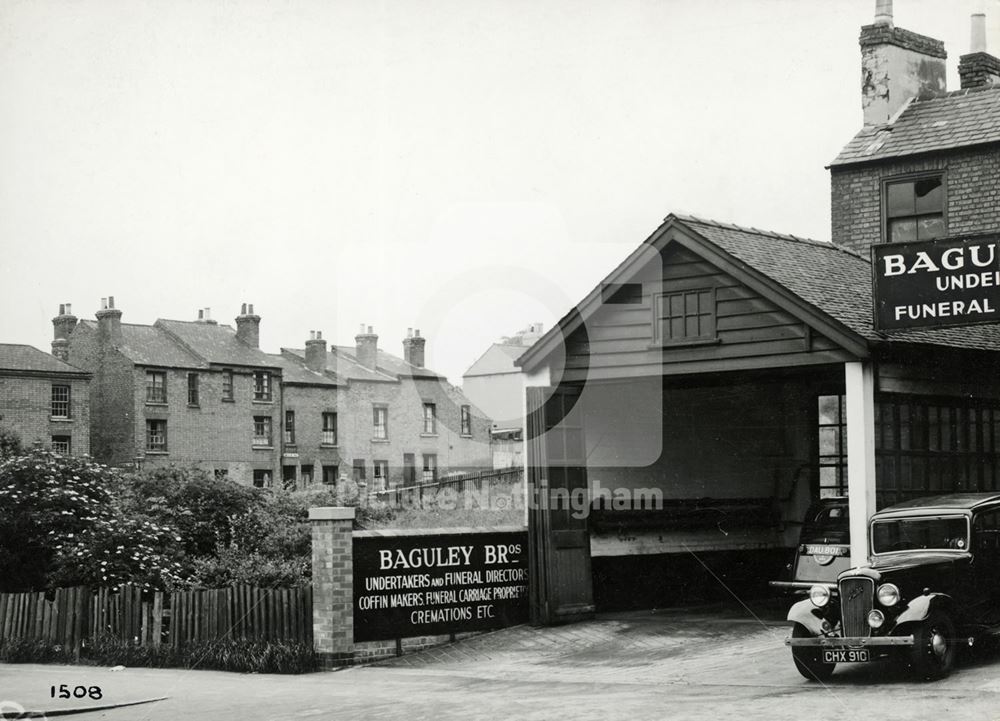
[
  {"x": 437, "y": 583},
  {"x": 936, "y": 283}
]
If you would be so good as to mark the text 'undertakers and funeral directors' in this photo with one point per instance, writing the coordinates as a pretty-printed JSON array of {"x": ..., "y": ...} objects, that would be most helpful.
[
  {"x": 431, "y": 584},
  {"x": 936, "y": 283}
]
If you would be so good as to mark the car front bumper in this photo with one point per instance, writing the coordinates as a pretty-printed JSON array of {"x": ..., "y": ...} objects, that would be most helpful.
[{"x": 850, "y": 641}]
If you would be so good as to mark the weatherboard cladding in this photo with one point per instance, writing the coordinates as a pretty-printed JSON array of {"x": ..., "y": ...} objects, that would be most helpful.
[
  {"x": 832, "y": 282},
  {"x": 934, "y": 123}
]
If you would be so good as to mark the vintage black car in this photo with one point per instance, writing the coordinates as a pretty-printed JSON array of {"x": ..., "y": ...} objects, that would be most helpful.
[
  {"x": 932, "y": 585},
  {"x": 824, "y": 547}
]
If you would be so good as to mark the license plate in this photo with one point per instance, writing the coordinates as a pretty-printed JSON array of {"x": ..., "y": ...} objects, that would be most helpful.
[{"x": 846, "y": 655}]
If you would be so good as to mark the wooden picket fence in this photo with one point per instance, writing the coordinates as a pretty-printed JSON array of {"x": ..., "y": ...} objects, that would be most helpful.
[{"x": 73, "y": 616}]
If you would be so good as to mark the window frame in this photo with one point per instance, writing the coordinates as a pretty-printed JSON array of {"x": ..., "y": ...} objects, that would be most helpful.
[
  {"x": 67, "y": 402},
  {"x": 380, "y": 481},
  {"x": 708, "y": 338},
  {"x": 152, "y": 397},
  {"x": 330, "y": 470},
  {"x": 465, "y": 420},
  {"x": 266, "y": 478},
  {"x": 838, "y": 460},
  {"x": 62, "y": 439},
  {"x": 378, "y": 408},
  {"x": 161, "y": 447},
  {"x": 267, "y": 424},
  {"x": 912, "y": 178},
  {"x": 263, "y": 386},
  {"x": 432, "y": 468},
  {"x": 193, "y": 389},
  {"x": 430, "y": 421},
  {"x": 289, "y": 430},
  {"x": 228, "y": 393},
  {"x": 330, "y": 428}
]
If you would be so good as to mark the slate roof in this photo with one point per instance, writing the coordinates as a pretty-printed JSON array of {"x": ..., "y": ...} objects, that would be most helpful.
[
  {"x": 152, "y": 346},
  {"x": 835, "y": 280},
  {"x": 215, "y": 343},
  {"x": 930, "y": 123},
  {"x": 295, "y": 371},
  {"x": 342, "y": 362},
  {"x": 18, "y": 357}
]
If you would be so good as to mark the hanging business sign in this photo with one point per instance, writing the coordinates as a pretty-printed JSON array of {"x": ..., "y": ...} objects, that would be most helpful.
[
  {"x": 426, "y": 584},
  {"x": 936, "y": 283}
]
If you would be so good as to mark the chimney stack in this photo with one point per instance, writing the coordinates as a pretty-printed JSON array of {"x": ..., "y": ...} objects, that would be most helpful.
[
  {"x": 205, "y": 316},
  {"x": 896, "y": 66},
  {"x": 316, "y": 352},
  {"x": 978, "y": 68},
  {"x": 367, "y": 347},
  {"x": 413, "y": 348},
  {"x": 109, "y": 323},
  {"x": 62, "y": 327},
  {"x": 248, "y": 326}
]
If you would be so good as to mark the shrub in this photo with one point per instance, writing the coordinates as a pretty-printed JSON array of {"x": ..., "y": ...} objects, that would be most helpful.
[
  {"x": 222, "y": 655},
  {"x": 24, "y": 650}
]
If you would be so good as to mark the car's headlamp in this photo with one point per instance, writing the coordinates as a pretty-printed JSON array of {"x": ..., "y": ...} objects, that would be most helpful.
[
  {"x": 875, "y": 618},
  {"x": 819, "y": 595},
  {"x": 888, "y": 594}
]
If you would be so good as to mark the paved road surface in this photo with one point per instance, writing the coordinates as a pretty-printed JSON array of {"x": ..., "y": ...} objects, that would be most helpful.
[{"x": 667, "y": 665}]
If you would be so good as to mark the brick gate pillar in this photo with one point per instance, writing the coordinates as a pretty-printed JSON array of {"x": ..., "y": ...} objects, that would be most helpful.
[{"x": 333, "y": 584}]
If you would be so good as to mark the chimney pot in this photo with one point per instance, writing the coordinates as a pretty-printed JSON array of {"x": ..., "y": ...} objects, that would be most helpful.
[
  {"x": 883, "y": 12},
  {"x": 69, "y": 309},
  {"x": 243, "y": 309},
  {"x": 409, "y": 332},
  {"x": 201, "y": 315},
  {"x": 109, "y": 323}
]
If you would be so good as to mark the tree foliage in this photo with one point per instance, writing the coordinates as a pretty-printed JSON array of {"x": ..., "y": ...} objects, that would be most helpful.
[{"x": 61, "y": 523}]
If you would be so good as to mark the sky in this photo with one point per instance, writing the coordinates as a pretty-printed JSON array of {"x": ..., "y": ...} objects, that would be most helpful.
[{"x": 465, "y": 168}]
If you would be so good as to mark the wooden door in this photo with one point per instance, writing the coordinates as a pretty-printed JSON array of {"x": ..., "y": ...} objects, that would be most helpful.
[{"x": 561, "y": 584}]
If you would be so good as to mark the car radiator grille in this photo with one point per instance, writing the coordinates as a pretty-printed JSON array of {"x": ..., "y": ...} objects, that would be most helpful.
[{"x": 856, "y": 598}]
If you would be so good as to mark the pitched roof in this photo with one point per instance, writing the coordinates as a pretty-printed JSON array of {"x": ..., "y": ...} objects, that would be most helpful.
[
  {"x": 152, "y": 346},
  {"x": 499, "y": 358},
  {"x": 930, "y": 123},
  {"x": 294, "y": 370},
  {"x": 832, "y": 280},
  {"x": 215, "y": 343},
  {"x": 341, "y": 362},
  {"x": 18, "y": 357}
]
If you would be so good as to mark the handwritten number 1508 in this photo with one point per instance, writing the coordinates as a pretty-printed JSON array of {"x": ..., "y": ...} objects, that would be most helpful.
[{"x": 64, "y": 691}]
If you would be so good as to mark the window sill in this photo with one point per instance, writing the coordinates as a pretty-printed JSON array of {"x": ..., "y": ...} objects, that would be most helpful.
[
  {"x": 428, "y": 435},
  {"x": 258, "y": 447},
  {"x": 228, "y": 400},
  {"x": 196, "y": 406},
  {"x": 466, "y": 435},
  {"x": 151, "y": 452},
  {"x": 160, "y": 404},
  {"x": 262, "y": 402},
  {"x": 686, "y": 343},
  {"x": 328, "y": 445},
  {"x": 60, "y": 419},
  {"x": 380, "y": 440}
]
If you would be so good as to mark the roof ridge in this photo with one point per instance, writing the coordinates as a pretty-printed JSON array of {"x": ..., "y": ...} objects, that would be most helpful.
[{"x": 771, "y": 234}]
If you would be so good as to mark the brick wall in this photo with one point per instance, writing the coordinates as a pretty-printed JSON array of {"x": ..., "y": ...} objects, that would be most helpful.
[
  {"x": 26, "y": 409},
  {"x": 973, "y": 204},
  {"x": 215, "y": 434},
  {"x": 333, "y": 584},
  {"x": 355, "y": 428},
  {"x": 112, "y": 436}
]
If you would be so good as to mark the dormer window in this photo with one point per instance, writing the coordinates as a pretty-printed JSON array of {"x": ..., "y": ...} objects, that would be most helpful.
[{"x": 914, "y": 208}]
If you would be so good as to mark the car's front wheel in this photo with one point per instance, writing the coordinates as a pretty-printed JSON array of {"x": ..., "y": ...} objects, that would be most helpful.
[
  {"x": 934, "y": 647},
  {"x": 809, "y": 659}
]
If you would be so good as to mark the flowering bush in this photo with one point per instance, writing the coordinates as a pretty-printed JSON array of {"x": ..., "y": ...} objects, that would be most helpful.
[{"x": 61, "y": 523}]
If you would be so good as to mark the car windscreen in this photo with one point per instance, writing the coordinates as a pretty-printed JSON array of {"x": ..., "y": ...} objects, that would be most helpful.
[
  {"x": 920, "y": 533},
  {"x": 829, "y": 524}
]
